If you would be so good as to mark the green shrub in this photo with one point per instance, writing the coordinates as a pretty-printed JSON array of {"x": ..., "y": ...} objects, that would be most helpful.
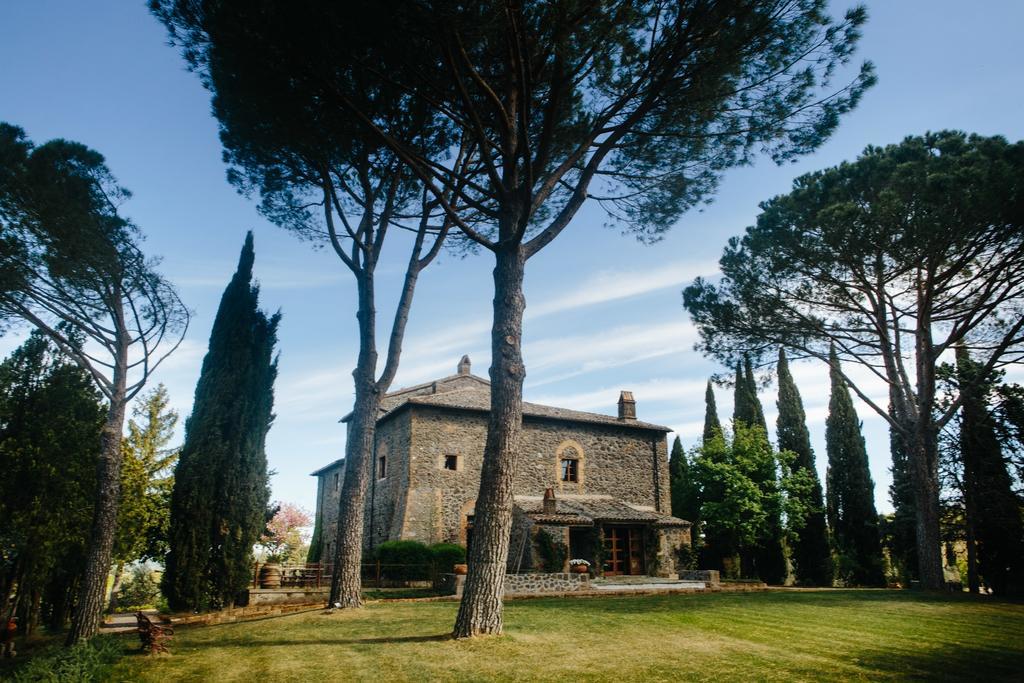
[
  {"x": 404, "y": 560},
  {"x": 139, "y": 591},
  {"x": 686, "y": 558},
  {"x": 82, "y": 663},
  {"x": 446, "y": 556}
]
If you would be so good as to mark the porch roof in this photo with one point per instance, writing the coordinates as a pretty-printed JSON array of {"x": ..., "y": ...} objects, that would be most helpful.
[{"x": 574, "y": 510}]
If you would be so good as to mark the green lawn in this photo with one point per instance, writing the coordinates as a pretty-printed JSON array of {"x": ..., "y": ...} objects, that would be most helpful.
[{"x": 782, "y": 636}]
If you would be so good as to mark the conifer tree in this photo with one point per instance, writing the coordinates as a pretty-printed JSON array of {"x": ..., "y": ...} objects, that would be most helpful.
[
  {"x": 711, "y": 424},
  {"x": 903, "y": 549},
  {"x": 812, "y": 559},
  {"x": 685, "y": 492},
  {"x": 220, "y": 496},
  {"x": 993, "y": 510},
  {"x": 851, "y": 491}
]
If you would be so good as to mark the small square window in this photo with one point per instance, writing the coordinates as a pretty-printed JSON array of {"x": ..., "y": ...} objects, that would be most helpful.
[
  {"x": 382, "y": 467},
  {"x": 570, "y": 469},
  {"x": 451, "y": 462}
]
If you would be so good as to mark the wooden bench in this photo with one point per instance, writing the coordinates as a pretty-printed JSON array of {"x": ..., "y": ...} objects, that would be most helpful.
[{"x": 154, "y": 637}]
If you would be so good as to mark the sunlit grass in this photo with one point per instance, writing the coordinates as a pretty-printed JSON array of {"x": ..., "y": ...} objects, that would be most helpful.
[{"x": 781, "y": 636}]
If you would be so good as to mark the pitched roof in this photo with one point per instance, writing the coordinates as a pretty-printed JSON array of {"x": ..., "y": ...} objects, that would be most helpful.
[
  {"x": 480, "y": 400},
  {"x": 585, "y": 510},
  {"x": 326, "y": 467}
]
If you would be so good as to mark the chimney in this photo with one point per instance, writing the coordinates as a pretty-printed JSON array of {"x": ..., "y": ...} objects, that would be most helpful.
[
  {"x": 464, "y": 365},
  {"x": 627, "y": 406},
  {"x": 550, "y": 504}
]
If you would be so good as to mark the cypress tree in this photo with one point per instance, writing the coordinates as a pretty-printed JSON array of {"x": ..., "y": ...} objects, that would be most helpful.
[
  {"x": 812, "y": 558},
  {"x": 685, "y": 493},
  {"x": 711, "y": 424},
  {"x": 993, "y": 510},
  {"x": 901, "y": 492},
  {"x": 851, "y": 492},
  {"x": 220, "y": 496}
]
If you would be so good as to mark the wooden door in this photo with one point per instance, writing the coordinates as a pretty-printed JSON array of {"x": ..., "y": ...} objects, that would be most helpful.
[{"x": 623, "y": 551}]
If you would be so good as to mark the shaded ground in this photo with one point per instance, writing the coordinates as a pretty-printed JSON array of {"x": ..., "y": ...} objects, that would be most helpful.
[{"x": 785, "y": 636}]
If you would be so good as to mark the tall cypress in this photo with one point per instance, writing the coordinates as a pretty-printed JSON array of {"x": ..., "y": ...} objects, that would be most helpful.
[
  {"x": 221, "y": 490},
  {"x": 993, "y": 510},
  {"x": 711, "y": 424},
  {"x": 851, "y": 491},
  {"x": 901, "y": 492},
  {"x": 812, "y": 558},
  {"x": 685, "y": 493}
]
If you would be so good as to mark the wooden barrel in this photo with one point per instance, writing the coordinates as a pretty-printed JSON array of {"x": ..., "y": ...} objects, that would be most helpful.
[{"x": 270, "y": 576}]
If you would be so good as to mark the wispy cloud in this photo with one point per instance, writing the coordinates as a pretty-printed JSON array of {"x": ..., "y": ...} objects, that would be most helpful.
[{"x": 603, "y": 400}]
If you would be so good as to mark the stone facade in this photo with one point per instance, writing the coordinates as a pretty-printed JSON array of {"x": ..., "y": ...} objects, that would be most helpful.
[{"x": 429, "y": 455}]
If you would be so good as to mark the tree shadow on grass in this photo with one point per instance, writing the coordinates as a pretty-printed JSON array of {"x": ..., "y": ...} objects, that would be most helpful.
[
  {"x": 290, "y": 642},
  {"x": 959, "y": 663}
]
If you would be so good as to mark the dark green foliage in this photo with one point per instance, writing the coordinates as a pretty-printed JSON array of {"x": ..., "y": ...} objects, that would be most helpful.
[
  {"x": 739, "y": 507},
  {"x": 902, "y": 548},
  {"x": 82, "y": 663},
  {"x": 712, "y": 425},
  {"x": 553, "y": 553},
  {"x": 50, "y": 422},
  {"x": 685, "y": 491},
  {"x": 851, "y": 491},
  {"x": 316, "y": 543},
  {"x": 812, "y": 559},
  {"x": 221, "y": 488},
  {"x": 930, "y": 229},
  {"x": 446, "y": 555},
  {"x": 404, "y": 560},
  {"x": 994, "y": 510}
]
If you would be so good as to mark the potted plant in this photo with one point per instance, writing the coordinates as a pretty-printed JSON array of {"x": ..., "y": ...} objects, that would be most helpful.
[{"x": 579, "y": 566}]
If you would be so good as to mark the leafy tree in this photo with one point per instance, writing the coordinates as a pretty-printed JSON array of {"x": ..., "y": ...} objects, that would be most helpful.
[
  {"x": 327, "y": 178},
  {"x": 639, "y": 106},
  {"x": 50, "y": 422},
  {"x": 908, "y": 251},
  {"x": 72, "y": 267},
  {"x": 736, "y": 508},
  {"x": 285, "y": 537},
  {"x": 851, "y": 492},
  {"x": 712, "y": 425},
  {"x": 220, "y": 494},
  {"x": 993, "y": 509},
  {"x": 766, "y": 558},
  {"x": 146, "y": 483},
  {"x": 811, "y": 556}
]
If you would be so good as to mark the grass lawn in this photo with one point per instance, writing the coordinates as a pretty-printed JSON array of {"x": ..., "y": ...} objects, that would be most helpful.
[{"x": 782, "y": 636}]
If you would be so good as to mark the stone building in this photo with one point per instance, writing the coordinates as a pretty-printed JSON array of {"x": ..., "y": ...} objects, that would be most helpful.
[{"x": 587, "y": 485}]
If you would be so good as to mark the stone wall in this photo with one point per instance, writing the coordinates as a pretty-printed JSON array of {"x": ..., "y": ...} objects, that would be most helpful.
[
  {"x": 386, "y": 500},
  {"x": 621, "y": 461},
  {"x": 328, "y": 494},
  {"x": 516, "y": 584}
]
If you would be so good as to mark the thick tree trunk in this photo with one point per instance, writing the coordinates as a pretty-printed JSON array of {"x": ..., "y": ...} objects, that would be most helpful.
[
  {"x": 480, "y": 611},
  {"x": 925, "y": 473},
  {"x": 346, "y": 581},
  {"x": 89, "y": 606}
]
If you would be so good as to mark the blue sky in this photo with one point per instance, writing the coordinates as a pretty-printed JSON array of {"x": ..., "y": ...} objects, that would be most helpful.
[{"x": 603, "y": 312}]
